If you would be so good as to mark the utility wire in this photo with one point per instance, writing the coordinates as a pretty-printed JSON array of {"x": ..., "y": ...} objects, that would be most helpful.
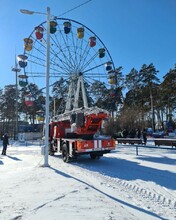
[{"x": 75, "y": 8}]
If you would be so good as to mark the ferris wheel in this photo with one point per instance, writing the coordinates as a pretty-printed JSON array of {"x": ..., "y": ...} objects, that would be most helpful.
[{"x": 78, "y": 58}]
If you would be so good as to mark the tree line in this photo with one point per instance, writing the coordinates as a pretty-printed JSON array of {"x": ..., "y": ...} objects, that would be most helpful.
[{"x": 148, "y": 102}]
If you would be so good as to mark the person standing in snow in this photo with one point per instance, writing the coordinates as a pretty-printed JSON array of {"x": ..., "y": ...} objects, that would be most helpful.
[
  {"x": 144, "y": 134},
  {"x": 138, "y": 132},
  {"x": 5, "y": 143},
  {"x": 124, "y": 133},
  {"x": 132, "y": 133}
]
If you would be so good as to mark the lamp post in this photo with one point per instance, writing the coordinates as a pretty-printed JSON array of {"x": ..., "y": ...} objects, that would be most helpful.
[
  {"x": 24, "y": 11},
  {"x": 16, "y": 70}
]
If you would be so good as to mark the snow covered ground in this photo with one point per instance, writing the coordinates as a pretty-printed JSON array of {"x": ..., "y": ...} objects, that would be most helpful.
[{"x": 119, "y": 186}]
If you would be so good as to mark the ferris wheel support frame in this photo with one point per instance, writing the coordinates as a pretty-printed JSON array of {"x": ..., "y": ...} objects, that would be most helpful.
[{"x": 80, "y": 84}]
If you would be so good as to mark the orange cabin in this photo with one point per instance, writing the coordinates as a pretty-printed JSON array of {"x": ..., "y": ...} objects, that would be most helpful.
[
  {"x": 28, "y": 44},
  {"x": 40, "y": 116},
  {"x": 112, "y": 81},
  {"x": 80, "y": 32}
]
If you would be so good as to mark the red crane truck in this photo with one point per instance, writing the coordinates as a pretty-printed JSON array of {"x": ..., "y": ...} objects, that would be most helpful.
[{"x": 77, "y": 132}]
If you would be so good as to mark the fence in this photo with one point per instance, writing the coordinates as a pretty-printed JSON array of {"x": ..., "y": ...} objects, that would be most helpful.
[{"x": 22, "y": 137}]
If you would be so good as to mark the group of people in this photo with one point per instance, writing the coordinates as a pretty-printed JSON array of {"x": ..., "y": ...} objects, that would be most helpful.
[
  {"x": 5, "y": 143},
  {"x": 135, "y": 134}
]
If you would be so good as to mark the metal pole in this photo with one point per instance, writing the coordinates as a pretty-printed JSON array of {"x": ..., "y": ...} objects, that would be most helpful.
[
  {"x": 47, "y": 90},
  {"x": 16, "y": 108},
  {"x": 137, "y": 150},
  {"x": 54, "y": 107},
  {"x": 47, "y": 79},
  {"x": 16, "y": 70},
  {"x": 152, "y": 110}
]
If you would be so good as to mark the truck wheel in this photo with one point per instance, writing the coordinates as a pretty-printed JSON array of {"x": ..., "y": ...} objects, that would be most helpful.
[
  {"x": 94, "y": 157},
  {"x": 51, "y": 151},
  {"x": 65, "y": 153}
]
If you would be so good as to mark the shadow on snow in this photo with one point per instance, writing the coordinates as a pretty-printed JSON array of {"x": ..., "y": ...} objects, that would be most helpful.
[
  {"x": 107, "y": 195},
  {"x": 130, "y": 170}
]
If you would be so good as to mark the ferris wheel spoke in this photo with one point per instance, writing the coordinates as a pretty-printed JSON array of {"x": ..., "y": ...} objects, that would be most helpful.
[
  {"x": 88, "y": 62},
  {"x": 55, "y": 42},
  {"x": 95, "y": 75},
  {"x": 83, "y": 57},
  {"x": 88, "y": 70},
  {"x": 80, "y": 49},
  {"x": 40, "y": 47},
  {"x": 65, "y": 60},
  {"x": 36, "y": 74},
  {"x": 75, "y": 48},
  {"x": 93, "y": 80},
  {"x": 70, "y": 47},
  {"x": 62, "y": 62},
  {"x": 36, "y": 62}
]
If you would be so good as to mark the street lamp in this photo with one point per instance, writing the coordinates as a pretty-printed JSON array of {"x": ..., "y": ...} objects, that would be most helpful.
[
  {"x": 16, "y": 70},
  {"x": 24, "y": 11}
]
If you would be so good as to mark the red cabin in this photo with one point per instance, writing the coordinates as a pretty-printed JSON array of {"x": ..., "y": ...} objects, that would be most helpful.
[
  {"x": 39, "y": 32},
  {"x": 29, "y": 100},
  {"x": 92, "y": 41}
]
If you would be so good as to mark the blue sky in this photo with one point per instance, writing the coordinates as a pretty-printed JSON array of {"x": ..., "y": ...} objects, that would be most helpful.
[{"x": 134, "y": 31}]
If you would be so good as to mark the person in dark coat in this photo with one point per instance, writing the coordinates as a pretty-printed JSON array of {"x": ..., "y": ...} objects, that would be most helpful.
[
  {"x": 144, "y": 134},
  {"x": 5, "y": 143},
  {"x": 138, "y": 133},
  {"x": 124, "y": 133},
  {"x": 132, "y": 133}
]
